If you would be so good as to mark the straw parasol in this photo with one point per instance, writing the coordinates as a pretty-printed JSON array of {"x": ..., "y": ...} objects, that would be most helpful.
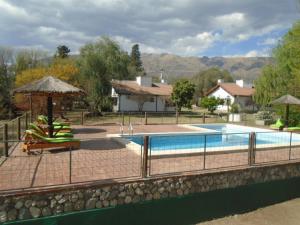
[
  {"x": 286, "y": 100},
  {"x": 49, "y": 87}
]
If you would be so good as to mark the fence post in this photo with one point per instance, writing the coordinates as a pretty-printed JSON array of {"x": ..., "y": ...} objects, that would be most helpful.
[
  {"x": 290, "y": 150},
  {"x": 70, "y": 165},
  {"x": 204, "y": 152},
  {"x": 251, "y": 154},
  {"x": 176, "y": 116},
  {"x": 203, "y": 118},
  {"x": 19, "y": 128},
  {"x": 82, "y": 118},
  {"x": 26, "y": 120},
  {"x": 145, "y": 157},
  {"x": 146, "y": 119},
  {"x": 123, "y": 119},
  {"x": 5, "y": 139}
]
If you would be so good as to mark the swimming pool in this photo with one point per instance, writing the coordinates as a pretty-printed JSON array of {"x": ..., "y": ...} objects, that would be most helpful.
[
  {"x": 216, "y": 137},
  {"x": 229, "y": 128}
]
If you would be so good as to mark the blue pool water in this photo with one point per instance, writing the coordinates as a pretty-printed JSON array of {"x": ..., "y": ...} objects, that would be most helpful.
[{"x": 224, "y": 136}]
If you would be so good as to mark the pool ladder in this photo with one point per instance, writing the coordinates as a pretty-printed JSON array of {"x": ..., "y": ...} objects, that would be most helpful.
[{"x": 130, "y": 129}]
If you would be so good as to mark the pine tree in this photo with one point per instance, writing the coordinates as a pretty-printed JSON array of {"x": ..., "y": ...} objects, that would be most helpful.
[
  {"x": 135, "y": 58},
  {"x": 62, "y": 51}
]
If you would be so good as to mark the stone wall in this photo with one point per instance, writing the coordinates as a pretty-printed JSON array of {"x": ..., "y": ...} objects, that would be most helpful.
[{"x": 36, "y": 205}]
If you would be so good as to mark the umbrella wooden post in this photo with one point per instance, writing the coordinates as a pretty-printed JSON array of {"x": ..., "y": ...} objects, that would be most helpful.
[
  {"x": 287, "y": 115},
  {"x": 50, "y": 116}
]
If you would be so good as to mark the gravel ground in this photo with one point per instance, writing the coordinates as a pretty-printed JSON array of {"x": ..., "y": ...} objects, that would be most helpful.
[{"x": 286, "y": 213}]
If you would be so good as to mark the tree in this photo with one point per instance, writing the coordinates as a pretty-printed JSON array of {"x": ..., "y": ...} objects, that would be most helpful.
[
  {"x": 205, "y": 80},
  {"x": 6, "y": 81},
  {"x": 99, "y": 63},
  {"x": 182, "y": 95},
  {"x": 29, "y": 58},
  {"x": 282, "y": 77},
  {"x": 211, "y": 103},
  {"x": 64, "y": 70},
  {"x": 62, "y": 51},
  {"x": 135, "y": 59}
]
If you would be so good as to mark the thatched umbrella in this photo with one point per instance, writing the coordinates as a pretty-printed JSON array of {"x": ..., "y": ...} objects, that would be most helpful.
[
  {"x": 286, "y": 100},
  {"x": 49, "y": 86}
]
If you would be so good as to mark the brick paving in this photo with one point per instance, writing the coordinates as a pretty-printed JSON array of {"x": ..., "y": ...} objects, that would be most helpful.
[{"x": 101, "y": 158}]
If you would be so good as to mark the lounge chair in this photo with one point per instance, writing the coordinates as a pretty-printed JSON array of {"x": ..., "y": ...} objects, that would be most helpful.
[
  {"x": 44, "y": 132},
  {"x": 34, "y": 140},
  {"x": 44, "y": 120},
  {"x": 278, "y": 125},
  {"x": 56, "y": 127},
  {"x": 293, "y": 129}
]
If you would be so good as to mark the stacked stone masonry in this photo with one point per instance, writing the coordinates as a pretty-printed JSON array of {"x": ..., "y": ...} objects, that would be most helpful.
[{"x": 37, "y": 205}]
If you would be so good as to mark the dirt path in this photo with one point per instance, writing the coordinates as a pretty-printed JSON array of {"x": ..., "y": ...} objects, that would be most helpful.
[{"x": 286, "y": 213}]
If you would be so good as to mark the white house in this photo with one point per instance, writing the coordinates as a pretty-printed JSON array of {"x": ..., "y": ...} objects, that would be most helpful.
[
  {"x": 239, "y": 93},
  {"x": 141, "y": 95}
]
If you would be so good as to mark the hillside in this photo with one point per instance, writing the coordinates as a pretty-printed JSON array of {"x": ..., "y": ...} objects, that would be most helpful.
[{"x": 177, "y": 66}]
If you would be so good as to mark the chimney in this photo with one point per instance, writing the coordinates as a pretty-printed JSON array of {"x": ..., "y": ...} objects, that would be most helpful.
[
  {"x": 162, "y": 80},
  {"x": 144, "y": 81},
  {"x": 240, "y": 83},
  {"x": 220, "y": 81}
]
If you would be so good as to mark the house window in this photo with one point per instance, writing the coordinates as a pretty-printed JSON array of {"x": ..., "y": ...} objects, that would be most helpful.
[{"x": 114, "y": 101}]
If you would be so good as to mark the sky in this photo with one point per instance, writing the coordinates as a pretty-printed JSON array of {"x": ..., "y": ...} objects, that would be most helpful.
[{"x": 183, "y": 27}]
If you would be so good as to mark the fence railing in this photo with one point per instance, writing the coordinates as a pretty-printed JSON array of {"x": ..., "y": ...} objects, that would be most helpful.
[
  {"x": 149, "y": 118},
  {"x": 197, "y": 152},
  {"x": 102, "y": 160},
  {"x": 67, "y": 166},
  {"x": 12, "y": 131}
]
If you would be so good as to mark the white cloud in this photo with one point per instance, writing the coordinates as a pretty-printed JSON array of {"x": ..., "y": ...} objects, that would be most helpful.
[
  {"x": 253, "y": 53},
  {"x": 187, "y": 27},
  {"x": 269, "y": 41},
  {"x": 192, "y": 45},
  {"x": 127, "y": 45},
  {"x": 235, "y": 19},
  {"x": 12, "y": 10}
]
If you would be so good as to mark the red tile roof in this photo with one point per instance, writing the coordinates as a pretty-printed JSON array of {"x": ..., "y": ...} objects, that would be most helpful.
[
  {"x": 233, "y": 89},
  {"x": 133, "y": 88}
]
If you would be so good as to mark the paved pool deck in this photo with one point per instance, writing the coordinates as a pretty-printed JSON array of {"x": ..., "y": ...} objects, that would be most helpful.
[{"x": 101, "y": 158}]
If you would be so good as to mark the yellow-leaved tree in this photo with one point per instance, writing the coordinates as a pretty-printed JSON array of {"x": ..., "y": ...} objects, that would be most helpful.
[{"x": 65, "y": 70}]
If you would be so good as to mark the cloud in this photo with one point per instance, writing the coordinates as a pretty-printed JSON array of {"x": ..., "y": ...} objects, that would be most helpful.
[
  {"x": 193, "y": 45},
  {"x": 269, "y": 41},
  {"x": 253, "y": 53},
  {"x": 189, "y": 27}
]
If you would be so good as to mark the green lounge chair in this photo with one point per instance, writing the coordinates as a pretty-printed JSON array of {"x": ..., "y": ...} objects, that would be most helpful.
[
  {"x": 42, "y": 132},
  {"x": 33, "y": 140},
  {"x": 44, "y": 120},
  {"x": 293, "y": 129},
  {"x": 278, "y": 125}
]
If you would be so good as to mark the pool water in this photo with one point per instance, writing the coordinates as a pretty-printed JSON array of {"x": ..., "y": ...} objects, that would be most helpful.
[
  {"x": 217, "y": 135},
  {"x": 212, "y": 140}
]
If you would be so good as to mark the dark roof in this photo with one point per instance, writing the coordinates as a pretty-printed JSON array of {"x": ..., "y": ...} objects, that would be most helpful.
[
  {"x": 49, "y": 85},
  {"x": 128, "y": 87},
  {"x": 233, "y": 89}
]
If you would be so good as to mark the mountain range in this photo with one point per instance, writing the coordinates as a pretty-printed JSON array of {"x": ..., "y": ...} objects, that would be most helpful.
[{"x": 174, "y": 66}]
